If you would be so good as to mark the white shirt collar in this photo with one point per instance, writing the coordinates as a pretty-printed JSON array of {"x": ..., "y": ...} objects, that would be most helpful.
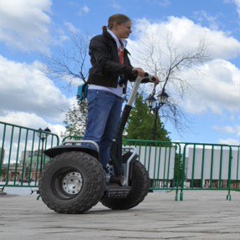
[{"x": 124, "y": 41}]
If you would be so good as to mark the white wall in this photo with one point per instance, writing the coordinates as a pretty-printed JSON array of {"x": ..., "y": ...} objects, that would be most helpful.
[
  {"x": 205, "y": 163},
  {"x": 159, "y": 161}
]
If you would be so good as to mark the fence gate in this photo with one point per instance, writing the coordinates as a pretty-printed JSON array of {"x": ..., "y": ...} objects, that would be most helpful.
[{"x": 22, "y": 154}]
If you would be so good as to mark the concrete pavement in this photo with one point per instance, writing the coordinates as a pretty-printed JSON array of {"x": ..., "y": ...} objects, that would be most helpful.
[{"x": 202, "y": 215}]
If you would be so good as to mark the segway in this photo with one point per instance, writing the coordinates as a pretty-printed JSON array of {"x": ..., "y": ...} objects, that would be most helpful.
[{"x": 74, "y": 180}]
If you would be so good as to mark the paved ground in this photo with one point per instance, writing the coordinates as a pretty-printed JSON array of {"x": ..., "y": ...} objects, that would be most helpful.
[{"x": 202, "y": 215}]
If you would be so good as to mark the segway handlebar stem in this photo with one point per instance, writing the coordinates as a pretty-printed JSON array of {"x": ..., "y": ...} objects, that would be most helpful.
[{"x": 136, "y": 86}]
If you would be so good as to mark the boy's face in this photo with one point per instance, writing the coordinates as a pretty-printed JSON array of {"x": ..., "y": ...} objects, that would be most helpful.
[{"x": 123, "y": 30}]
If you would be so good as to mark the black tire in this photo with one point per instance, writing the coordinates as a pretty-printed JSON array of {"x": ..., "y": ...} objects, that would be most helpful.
[
  {"x": 140, "y": 185},
  {"x": 73, "y": 182}
]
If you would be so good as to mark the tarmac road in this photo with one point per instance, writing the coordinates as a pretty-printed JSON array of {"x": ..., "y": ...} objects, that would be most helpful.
[{"x": 202, "y": 215}]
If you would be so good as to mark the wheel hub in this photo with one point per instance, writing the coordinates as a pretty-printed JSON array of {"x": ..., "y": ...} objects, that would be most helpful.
[{"x": 72, "y": 183}]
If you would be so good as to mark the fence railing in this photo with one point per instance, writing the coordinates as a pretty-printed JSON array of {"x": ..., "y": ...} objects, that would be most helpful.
[
  {"x": 172, "y": 166},
  {"x": 190, "y": 166},
  {"x": 208, "y": 167},
  {"x": 21, "y": 154}
]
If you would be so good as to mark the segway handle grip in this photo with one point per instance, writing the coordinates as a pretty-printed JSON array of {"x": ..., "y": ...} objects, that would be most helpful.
[
  {"x": 146, "y": 75},
  {"x": 150, "y": 77}
]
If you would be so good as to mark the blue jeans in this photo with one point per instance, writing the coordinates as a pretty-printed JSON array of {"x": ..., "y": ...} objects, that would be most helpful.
[{"x": 104, "y": 110}]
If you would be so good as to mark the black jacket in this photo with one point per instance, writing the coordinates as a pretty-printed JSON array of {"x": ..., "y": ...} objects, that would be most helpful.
[{"x": 106, "y": 69}]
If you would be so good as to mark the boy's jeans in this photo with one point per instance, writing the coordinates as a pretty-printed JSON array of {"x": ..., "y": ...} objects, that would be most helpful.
[{"x": 104, "y": 110}]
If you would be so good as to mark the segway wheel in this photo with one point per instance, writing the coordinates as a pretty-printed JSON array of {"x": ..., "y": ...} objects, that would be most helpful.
[
  {"x": 73, "y": 182},
  {"x": 140, "y": 184}
]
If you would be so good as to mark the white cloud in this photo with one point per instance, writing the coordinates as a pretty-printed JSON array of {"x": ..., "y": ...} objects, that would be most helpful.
[
  {"x": 229, "y": 141},
  {"x": 24, "y": 88},
  {"x": 186, "y": 35},
  {"x": 31, "y": 120},
  {"x": 234, "y": 130},
  {"x": 219, "y": 90},
  {"x": 216, "y": 86},
  {"x": 84, "y": 10},
  {"x": 24, "y": 24},
  {"x": 212, "y": 21},
  {"x": 72, "y": 29},
  {"x": 225, "y": 129},
  {"x": 162, "y": 3},
  {"x": 237, "y": 2},
  {"x": 116, "y": 5}
]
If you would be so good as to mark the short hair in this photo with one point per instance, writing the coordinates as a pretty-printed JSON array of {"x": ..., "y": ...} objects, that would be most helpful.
[{"x": 117, "y": 18}]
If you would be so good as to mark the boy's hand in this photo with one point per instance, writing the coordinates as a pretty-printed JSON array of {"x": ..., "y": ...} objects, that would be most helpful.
[{"x": 139, "y": 71}]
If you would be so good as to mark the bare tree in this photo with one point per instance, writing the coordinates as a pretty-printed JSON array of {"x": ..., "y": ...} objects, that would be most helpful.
[
  {"x": 168, "y": 62},
  {"x": 65, "y": 67},
  {"x": 69, "y": 63}
]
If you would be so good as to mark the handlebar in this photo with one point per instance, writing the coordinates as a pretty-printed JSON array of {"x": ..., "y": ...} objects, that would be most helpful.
[
  {"x": 148, "y": 76},
  {"x": 137, "y": 83}
]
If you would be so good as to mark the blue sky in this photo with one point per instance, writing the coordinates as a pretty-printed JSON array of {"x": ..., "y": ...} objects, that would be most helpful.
[{"x": 31, "y": 29}]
